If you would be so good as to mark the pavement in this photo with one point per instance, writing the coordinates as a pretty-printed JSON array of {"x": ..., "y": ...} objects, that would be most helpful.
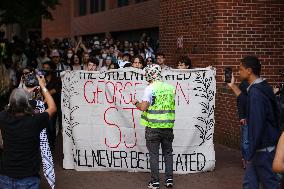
[{"x": 227, "y": 175}]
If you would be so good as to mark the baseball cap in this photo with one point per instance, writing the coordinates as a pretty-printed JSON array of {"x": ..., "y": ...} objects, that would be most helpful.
[{"x": 54, "y": 53}]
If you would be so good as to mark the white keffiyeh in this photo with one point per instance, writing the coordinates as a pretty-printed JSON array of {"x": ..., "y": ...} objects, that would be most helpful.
[{"x": 46, "y": 156}]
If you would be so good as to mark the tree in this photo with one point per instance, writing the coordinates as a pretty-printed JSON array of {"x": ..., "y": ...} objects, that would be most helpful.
[{"x": 26, "y": 13}]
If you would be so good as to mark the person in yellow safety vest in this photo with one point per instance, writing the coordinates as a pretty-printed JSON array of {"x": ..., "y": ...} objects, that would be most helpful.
[{"x": 158, "y": 106}]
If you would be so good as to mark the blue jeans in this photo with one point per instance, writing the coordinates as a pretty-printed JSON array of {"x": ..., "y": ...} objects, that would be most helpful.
[
  {"x": 245, "y": 142},
  {"x": 259, "y": 171},
  {"x": 24, "y": 183}
]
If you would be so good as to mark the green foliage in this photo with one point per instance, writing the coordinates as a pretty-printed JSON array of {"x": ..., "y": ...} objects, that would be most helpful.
[{"x": 25, "y": 12}]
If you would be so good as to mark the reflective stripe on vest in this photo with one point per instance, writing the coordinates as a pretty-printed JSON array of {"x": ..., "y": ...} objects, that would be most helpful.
[
  {"x": 160, "y": 111},
  {"x": 157, "y": 120}
]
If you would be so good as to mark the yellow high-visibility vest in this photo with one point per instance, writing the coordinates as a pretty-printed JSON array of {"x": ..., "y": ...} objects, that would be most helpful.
[{"x": 161, "y": 113}]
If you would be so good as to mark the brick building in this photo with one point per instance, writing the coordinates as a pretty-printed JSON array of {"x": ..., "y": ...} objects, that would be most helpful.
[
  {"x": 84, "y": 17},
  {"x": 220, "y": 33},
  {"x": 217, "y": 33}
]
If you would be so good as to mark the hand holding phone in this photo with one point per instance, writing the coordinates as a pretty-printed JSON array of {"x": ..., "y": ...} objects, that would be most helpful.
[{"x": 228, "y": 74}]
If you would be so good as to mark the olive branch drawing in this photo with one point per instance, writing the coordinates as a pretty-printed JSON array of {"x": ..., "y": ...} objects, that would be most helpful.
[
  {"x": 68, "y": 91},
  {"x": 207, "y": 121}
]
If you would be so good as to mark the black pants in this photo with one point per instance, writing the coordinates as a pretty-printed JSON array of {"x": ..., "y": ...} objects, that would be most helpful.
[
  {"x": 155, "y": 138},
  {"x": 51, "y": 130}
]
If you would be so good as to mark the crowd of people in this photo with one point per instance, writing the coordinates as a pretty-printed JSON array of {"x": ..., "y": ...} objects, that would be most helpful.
[
  {"x": 92, "y": 54},
  {"x": 46, "y": 59},
  {"x": 27, "y": 65},
  {"x": 51, "y": 57}
]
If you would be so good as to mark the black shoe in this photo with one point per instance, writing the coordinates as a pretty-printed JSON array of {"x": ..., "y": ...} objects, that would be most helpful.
[
  {"x": 169, "y": 183},
  {"x": 154, "y": 185}
]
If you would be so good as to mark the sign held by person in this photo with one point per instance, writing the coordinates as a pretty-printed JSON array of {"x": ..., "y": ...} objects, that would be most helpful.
[{"x": 101, "y": 129}]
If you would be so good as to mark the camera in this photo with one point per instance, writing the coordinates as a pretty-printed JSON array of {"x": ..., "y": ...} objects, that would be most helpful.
[{"x": 31, "y": 80}]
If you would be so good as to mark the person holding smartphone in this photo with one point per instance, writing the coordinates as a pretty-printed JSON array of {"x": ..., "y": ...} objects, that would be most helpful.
[
  {"x": 242, "y": 111},
  {"x": 263, "y": 130},
  {"x": 20, "y": 127}
]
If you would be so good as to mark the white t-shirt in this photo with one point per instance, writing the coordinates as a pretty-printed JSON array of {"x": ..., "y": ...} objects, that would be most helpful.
[
  {"x": 148, "y": 94},
  {"x": 122, "y": 63}
]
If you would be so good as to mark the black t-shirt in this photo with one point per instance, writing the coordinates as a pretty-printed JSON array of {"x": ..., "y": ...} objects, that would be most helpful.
[
  {"x": 55, "y": 83},
  {"x": 21, "y": 153}
]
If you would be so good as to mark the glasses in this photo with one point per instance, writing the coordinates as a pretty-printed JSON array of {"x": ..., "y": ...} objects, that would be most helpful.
[
  {"x": 149, "y": 60},
  {"x": 26, "y": 73}
]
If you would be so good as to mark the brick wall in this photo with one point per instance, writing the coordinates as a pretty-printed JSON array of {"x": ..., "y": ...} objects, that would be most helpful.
[
  {"x": 220, "y": 33},
  {"x": 61, "y": 25},
  {"x": 134, "y": 16}
]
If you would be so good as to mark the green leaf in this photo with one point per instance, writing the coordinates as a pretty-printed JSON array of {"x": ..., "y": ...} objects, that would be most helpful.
[{"x": 26, "y": 12}]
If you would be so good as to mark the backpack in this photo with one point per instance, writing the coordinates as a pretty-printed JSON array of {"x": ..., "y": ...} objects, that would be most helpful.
[
  {"x": 280, "y": 107},
  {"x": 277, "y": 103}
]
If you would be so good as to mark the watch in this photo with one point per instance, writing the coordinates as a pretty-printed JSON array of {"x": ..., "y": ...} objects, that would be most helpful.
[
  {"x": 136, "y": 103},
  {"x": 44, "y": 90}
]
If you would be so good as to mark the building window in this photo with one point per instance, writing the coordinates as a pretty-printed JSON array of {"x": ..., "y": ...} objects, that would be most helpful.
[
  {"x": 103, "y": 5},
  {"x": 82, "y": 7},
  {"x": 97, "y": 5},
  {"x": 139, "y": 1},
  {"x": 121, "y": 3}
]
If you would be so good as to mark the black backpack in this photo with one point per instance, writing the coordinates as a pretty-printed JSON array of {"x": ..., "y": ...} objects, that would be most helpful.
[
  {"x": 280, "y": 107},
  {"x": 277, "y": 103}
]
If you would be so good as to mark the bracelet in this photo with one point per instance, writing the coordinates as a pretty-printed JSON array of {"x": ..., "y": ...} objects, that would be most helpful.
[
  {"x": 44, "y": 90},
  {"x": 136, "y": 103}
]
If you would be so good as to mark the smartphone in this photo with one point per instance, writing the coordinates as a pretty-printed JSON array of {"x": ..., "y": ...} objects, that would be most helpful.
[{"x": 228, "y": 74}]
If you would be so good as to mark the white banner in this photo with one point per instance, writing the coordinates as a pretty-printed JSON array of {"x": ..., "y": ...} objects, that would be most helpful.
[{"x": 101, "y": 129}]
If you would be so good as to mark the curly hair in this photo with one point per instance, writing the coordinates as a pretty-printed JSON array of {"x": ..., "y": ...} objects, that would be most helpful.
[
  {"x": 186, "y": 60},
  {"x": 141, "y": 60}
]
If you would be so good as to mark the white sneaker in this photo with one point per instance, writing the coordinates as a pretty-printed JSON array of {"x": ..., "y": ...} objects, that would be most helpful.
[
  {"x": 154, "y": 185},
  {"x": 169, "y": 183}
]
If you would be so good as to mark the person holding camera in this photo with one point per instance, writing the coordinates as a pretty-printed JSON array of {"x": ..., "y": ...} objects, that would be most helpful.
[
  {"x": 28, "y": 77},
  {"x": 29, "y": 82},
  {"x": 20, "y": 128}
]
